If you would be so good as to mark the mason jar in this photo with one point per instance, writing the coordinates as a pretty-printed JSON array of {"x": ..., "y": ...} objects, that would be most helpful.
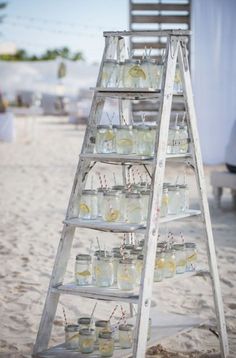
[
  {"x": 145, "y": 195},
  {"x": 121, "y": 189},
  {"x": 109, "y": 76},
  {"x": 104, "y": 273},
  {"x": 88, "y": 205},
  {"x": 145, "y": 140},
  {"x": 183, "y": 139},
  {"x": 184, "y": 197},
  {"x": 191, "y": 255},
  {"x": 100, "y": 193},
  {"x": 126, "y": 275},
  {"x": 126, "y": 333},
  {"x": 156, "y": 71},
  {"x": 124, "y": 139},
  {"x": 174, "y": 200},
  {"x": 102, "y": 326},
  {"x": 105, "y": 344},
  {"x": 133, "y": 74},
  {"x": 169, "y": 264},
  {"x": 105, "y": 139},
  {"x": 116, "y": 258},
  {"x": 83, "y": 270},
  {"x": 164, "y": 202},
  {"x": 173, "y": 140},
  {"x": 133, "y": 208},
  {"x": 85, "y": 322},
  {"x": 86, "y": 340},
  {"x": 159, "y": 266},
  {"x": 72, "y": 336},
  {"x": 180, "y": 257},
  {"x": 111, "y": 211}
]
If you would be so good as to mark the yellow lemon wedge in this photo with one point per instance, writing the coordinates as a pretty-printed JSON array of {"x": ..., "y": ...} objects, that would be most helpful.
[
  {"x": 112, "y": 215},
  {"x": 84, "y": 208},
  {"x": 159, "y": 264},
  {"x": 109, "y": 135},
  {"x": 83, "y": 273},
  {"x": 137, "y": 72},
  {"x": 125, "y": 142}
]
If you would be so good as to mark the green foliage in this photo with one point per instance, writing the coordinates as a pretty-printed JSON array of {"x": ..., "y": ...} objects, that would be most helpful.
[{"x": 50, "y": 54}]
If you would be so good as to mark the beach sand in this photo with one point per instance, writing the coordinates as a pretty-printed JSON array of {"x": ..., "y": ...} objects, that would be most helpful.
[{"x": 36, "y": 175}]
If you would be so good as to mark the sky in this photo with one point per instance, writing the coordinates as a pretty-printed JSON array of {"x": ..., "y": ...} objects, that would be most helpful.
[{"x": 36, "y": 25}]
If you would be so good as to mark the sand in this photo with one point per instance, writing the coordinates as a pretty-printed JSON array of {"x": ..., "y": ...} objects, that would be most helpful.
[{"x": 36, "y": 174}]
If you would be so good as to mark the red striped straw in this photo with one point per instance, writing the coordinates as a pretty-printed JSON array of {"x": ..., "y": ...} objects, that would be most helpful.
[
  {"x": 123, "y": 315},
  {"x": 128, "y": 181},
  {"x": 133, "y": 175},
  {"x": 105, "y": 181},
  {"x": 64, "y": 314},
  {"x": 113, "y": 312},
  {"x": 100, "y": 180}
]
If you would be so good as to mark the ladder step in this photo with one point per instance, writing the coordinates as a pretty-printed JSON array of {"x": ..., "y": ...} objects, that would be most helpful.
[
  {"x": 115, "y": 294},
  {"x": 163, "y": 325},
  {"x": 129, "y": 159},
  {"x": 122, "y": 227}
]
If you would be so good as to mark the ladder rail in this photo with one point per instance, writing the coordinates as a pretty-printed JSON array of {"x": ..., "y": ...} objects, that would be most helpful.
[
  {"x": 155, "y": 201},
  {"x": 199, "y": 173}
]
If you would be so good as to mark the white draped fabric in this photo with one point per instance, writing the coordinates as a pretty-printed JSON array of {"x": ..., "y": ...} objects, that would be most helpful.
[{"x": 214, "y": 74}]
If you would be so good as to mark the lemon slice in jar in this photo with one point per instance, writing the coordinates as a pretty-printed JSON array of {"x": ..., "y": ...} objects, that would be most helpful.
[
  {"x": 125, "y": 142},
  {"x": 137, "y": 72},
  {"x": 112, "y": 215},
  {"x": 84, "y": 273},
  {"x": 109, "y": 135},
  {"x": 84, "y": 208}
]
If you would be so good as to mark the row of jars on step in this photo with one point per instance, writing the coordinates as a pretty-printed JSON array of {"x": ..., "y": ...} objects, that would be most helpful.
[
  {"x": 87, "y": 336},
  {"x": 124, "y": 270},
  {"x": 135, "y": 74},
  {"x": 122, "y": 205},
  {"x": 138, "y": 139}
]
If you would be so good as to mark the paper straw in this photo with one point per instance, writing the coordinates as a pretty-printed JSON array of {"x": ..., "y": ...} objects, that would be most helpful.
[
  {"x": 113, "y": 312},
  {"x": 114, "y": 178},
  {"x": 105, "y": 181},
  {"x": 184, "y": 116},
  {"x": 100, "y": 179},
  {"x": 176, "y": 119},
  {"x": 99, "y": 247},
  {"x": 91, "y": 316},
  {"x": 64, "y": 314},
  {"x": 123, "y": 315},
  {"x": 109, "y": 119}
]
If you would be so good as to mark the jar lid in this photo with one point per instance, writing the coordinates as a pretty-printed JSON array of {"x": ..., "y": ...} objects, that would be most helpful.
[
  {"x": 127, "y": 261},
  {"x": 116, "y": 249},
  {"x": 102, "y": 190},
  {"x": 144, "y": 127},
  {"x": 118, "y": 187},
  {"x": 133, "y": 61},
  {"x": 178, "y": 247},
  {"x": 129, "y": 247},
  {"x": 100, "y": 253},
  {"x": 84, "y": 320},
  {"x": 112, "y": 193},
  {"x": 105, "y": 258},
  {"x": 145, "y": 192},
  {"x": 132, "y": 195},
  {"x": 122, "y": 126},
  {"x": 86, "y": 332},
  {"x": 104, "y": 126},
  {"x": 102, "y": 323},
  {"x": 162, "y": 244},
  {"x": 105, "y": 335},
  {"x": 183, "y": 186},
  {"x": 83, "y": 257},
  {"x": 117, "y": 255},
  {"x": 190, "y": 245},
  {"x": 72, "y": 328},
  {"x": 126, "y": 327},
  {"x": 89, "y": 192},
  {"x": 135, "y": 251},
  {"x": 173, "y": 187},
  {"x": 110, "y": 60},
  {"x": 140, "y": 257}
]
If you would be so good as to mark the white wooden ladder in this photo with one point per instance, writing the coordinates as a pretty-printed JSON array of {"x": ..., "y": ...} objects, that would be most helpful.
[{"x": 176, "y": 50}]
